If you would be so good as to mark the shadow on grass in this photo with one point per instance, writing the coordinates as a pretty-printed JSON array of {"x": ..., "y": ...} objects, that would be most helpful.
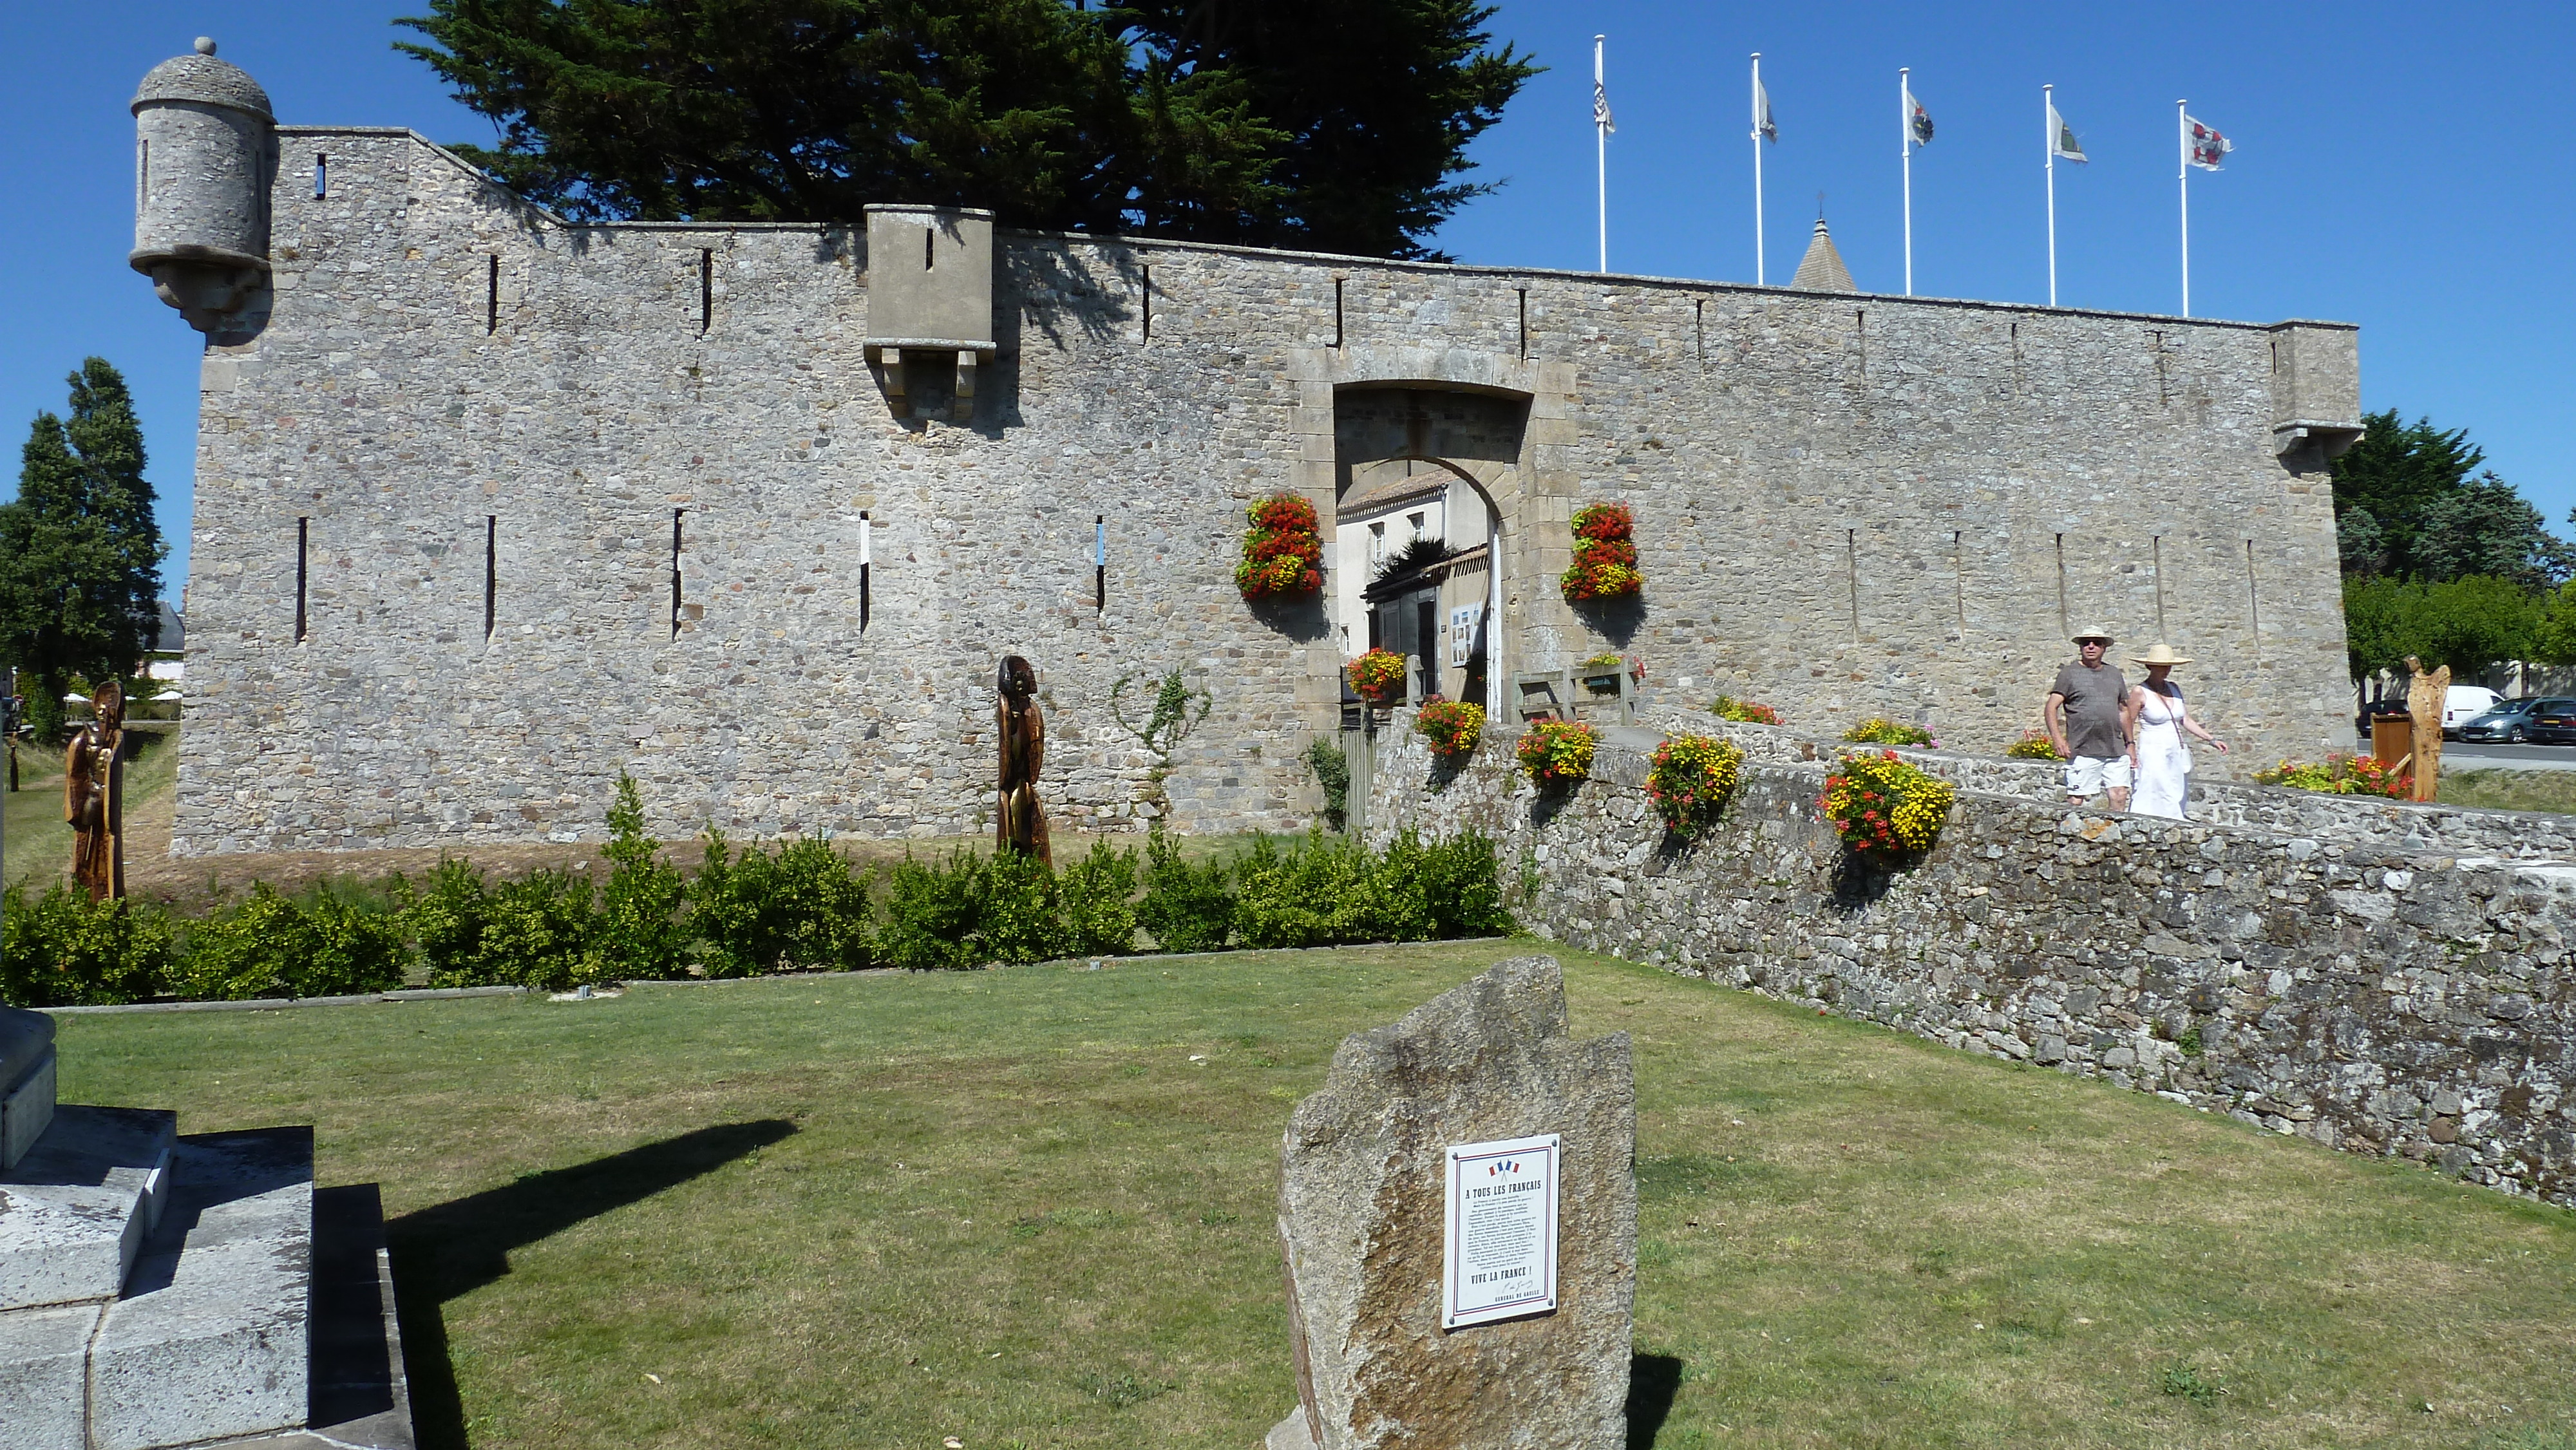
[
  {"x": 454, "y": 1248},
  {"x": 1653, "y": 1380}
]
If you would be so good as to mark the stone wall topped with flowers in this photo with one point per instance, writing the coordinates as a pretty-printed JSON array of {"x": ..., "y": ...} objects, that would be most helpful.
[{"x": 2352, "y": 986}]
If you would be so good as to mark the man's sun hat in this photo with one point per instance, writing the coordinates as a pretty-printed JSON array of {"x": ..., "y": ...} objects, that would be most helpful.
[
  {"x": 2096, "y": 632},
  {"x": 2159, "y": 653}
]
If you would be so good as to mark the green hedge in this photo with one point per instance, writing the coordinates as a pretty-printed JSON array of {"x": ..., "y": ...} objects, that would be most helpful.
[
  {"x": 747, "y": 912},
  {"x": 269, "y": 946},
  {"x": 62, "y": 951}
]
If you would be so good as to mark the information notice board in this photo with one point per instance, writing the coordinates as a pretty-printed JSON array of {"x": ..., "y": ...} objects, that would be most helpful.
[{"x": 1500, "y": 1261}]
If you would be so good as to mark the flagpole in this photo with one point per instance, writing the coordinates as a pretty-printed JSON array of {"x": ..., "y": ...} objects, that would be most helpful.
[
  {"x": 2048, "y": 148},
  {"x": 1601, "y": 156},
  {"x": 1905, "y": 149},
  {"x": 2182, "y": 181},
  {"x": 1758, "y": 279}
]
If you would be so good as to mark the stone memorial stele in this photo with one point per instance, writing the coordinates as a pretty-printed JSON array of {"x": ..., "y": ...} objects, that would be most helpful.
[{"x": 1481, "y": 1087}]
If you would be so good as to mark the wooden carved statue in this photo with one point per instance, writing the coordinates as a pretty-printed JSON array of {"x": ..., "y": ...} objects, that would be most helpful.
[
  {"x": 2426, "y": 697},
  {"x": 1018, "y": 825},
  {"x": 93, "y": 796}
]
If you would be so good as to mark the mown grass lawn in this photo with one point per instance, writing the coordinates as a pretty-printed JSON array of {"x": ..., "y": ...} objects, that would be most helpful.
[
  {"x": 1034, "y": 1207},
  {"x": 2510, "y": 790}
]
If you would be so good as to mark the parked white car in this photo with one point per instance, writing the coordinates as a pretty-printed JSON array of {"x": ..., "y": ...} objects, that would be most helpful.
[{"x": 2462, "y": 704}]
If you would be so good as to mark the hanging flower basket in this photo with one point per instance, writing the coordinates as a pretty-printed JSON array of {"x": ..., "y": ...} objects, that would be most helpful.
[
  {"x": 1283, "y": 553},
  {"x": 1558, "y": 752},
  {"x": 1377, "y": 677},
  {"x": 1605, "y": 555},
  {"x": 1881, "y": 804},
  {"x": 1452, "y": 726},
  {"x": 1691, "y": 779}
]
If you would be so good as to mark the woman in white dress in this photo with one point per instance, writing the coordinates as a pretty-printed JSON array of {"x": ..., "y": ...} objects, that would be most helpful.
[{"x": 2157, "y": 718}]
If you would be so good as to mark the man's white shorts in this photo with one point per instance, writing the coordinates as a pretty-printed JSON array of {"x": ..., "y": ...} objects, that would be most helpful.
[{"x": 2087, "y": 776}]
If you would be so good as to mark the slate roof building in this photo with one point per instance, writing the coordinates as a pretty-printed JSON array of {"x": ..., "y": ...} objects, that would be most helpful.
[{"x": 1822, "y": 269}]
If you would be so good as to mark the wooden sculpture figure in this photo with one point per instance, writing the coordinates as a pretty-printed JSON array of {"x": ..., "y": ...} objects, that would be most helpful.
[
  {"x": 2427, "y": 695},
  {"x": 93, "y": 791},
  {"x": 1018, "y": 825}
]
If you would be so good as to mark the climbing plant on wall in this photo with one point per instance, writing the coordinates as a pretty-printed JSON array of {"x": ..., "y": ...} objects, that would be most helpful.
[
  {"x": 1283, "y": 553},
  {"x": 1605, "y": 555},
  {"x": 1177, "y": 710}
]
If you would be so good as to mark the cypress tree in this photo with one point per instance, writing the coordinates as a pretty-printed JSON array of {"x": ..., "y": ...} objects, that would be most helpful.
[
  {"x": 80, "y": 553},
  {"x": 1331, "y": 125}
]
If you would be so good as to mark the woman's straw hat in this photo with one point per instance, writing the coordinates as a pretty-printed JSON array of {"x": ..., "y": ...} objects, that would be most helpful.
[{"x": 2159, "y": 653}]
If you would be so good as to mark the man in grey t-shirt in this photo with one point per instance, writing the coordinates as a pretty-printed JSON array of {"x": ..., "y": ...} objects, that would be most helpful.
[{"x": 2084, "y": 723}]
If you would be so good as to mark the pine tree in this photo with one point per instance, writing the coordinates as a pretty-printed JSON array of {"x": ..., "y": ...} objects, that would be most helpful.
[{"x": 80, "y": 553}]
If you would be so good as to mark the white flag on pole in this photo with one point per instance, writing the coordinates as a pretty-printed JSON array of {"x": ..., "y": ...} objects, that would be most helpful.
[
  {"x": 2061, "y": 137},
  {"x": 1918, "y": 121},
  {"x": 2208, "y": 148},
  {"x": 1600, "y": 97},
  {"x": 1762, "y": 124}
]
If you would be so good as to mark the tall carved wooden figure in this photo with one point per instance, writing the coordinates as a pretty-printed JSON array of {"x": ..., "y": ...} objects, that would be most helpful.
[
  {"x": 1018, "y": 824},
  {"x": 93, "y": 796}
]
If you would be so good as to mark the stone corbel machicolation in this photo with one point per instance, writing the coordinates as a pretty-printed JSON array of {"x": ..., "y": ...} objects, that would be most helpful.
[{"x": 930, "y": 298}]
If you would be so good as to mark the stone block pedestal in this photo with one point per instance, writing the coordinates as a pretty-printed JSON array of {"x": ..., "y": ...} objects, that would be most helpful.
[{"x": 159, "y": 1291}]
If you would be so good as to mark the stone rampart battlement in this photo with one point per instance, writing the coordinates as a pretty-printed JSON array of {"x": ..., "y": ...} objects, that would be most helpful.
[{"x": 1667, "y": 318}]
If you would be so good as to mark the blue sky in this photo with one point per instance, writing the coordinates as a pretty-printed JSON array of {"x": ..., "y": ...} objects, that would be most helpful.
[{"x": 2405, "y": 167}]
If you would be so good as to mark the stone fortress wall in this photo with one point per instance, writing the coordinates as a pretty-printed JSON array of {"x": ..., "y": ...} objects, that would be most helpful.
[{"x": 450, "y": 456}]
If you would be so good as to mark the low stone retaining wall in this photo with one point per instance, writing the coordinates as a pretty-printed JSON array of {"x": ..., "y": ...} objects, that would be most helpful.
[{"x": 2378, "y": 998}]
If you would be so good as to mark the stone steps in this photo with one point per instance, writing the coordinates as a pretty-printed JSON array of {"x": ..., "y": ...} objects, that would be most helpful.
[
  {"x": 26, "y": 1082},
  {"x": 160, "y": 1292},
  {"x": 76, "y": 1210},
  {"x": 212, "y": 1338},
  {"x": 207, "y": 1327}
]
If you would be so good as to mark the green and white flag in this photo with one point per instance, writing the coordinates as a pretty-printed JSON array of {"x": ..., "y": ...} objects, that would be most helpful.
[{"x": 2062, "y": 140}]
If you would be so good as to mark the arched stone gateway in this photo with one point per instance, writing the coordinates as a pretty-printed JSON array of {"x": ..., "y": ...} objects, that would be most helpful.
[
  {"x": 1419, "y": 528},
  {"x": 1465, "y": 447}
]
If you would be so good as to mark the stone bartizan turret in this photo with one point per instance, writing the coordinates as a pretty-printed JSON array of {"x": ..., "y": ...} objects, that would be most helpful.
[
  {"x": 1822, "y": 269},
  {"x": 205, "y": 152}
]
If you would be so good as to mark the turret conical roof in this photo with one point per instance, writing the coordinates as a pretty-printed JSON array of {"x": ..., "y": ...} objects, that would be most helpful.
[
  {"x": 1822, "y": 269},
  {"x": 200, "y": 77}
]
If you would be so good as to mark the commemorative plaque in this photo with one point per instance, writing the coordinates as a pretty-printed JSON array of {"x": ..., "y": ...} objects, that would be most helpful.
[{"x": 1500, "y": 1261}]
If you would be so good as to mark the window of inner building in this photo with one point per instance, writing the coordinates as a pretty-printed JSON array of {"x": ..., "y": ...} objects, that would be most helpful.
[
  {"x": 1415, "y": 522},
  {"x": 1377, "y": 542}
]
